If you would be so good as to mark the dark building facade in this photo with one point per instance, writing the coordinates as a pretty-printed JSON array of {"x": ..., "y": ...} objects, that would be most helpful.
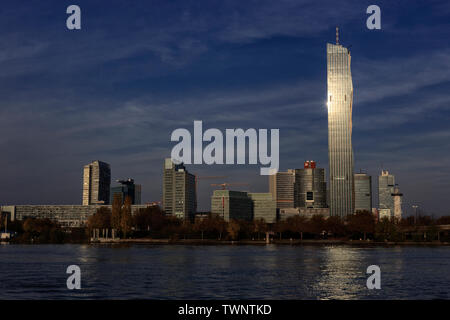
[
  {"x": 310, "y": 187},
  {"x": 127, "y": 188}
]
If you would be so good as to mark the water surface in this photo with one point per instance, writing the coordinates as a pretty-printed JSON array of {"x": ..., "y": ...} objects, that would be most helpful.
[{"x": 223, "y": 272}]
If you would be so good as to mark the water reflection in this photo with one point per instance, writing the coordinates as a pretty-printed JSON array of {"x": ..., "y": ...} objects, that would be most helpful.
[{"x": 223, "y": 272}]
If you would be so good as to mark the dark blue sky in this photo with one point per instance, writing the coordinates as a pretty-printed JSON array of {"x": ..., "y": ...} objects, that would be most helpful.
[{"x": 137, "y": 70}]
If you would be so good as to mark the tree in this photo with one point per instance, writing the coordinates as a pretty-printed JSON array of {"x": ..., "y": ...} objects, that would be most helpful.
[
  {"x": 201, "y": 225},
  {"x": 219, "y": 225},
  {"x": 149, "y": 219},
  {"x": 297, "y": 224},
  {"x": 100, "y": 219},
  {"x": 233, "y": 229},
  {"x": 126, "y": 219},
  {"x": 259, "y": 225},
  {"x": 386, "y": 229},
  {"x": 280, "y": 227},
  {"x": 116, "y": 212},
  {"x": 362, "y": 222},
  {"x": 335, "y": 226},
  {"x": 317, "y": 224},
  {"x": 443, "y": 220}
]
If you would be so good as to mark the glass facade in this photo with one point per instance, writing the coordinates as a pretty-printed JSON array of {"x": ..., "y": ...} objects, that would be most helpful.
[
  {"x": 281, "y": 186},
  {"x": 310, "y": 188},
  {"x": 340, "y": 151},
  {"x": 363, "y": 192},
  {"x": 231, "y": 205}
]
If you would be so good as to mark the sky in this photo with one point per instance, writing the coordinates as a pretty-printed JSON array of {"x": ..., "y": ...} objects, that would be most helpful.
[{"x": 137, "y": 70}]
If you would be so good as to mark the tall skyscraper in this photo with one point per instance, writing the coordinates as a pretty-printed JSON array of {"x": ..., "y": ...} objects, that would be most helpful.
[
  {"x": 310, "y": 187},
  {"x": 363, "y": 192},
  {"x": 340, "y": 151},
  {"x": 386, "y": 185},
  {"x": 96, "y": 183},
  {"x": 281, "y": 186},
  {"x": 179, "y": 195}
]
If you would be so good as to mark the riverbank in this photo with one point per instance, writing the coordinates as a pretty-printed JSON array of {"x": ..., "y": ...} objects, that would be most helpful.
[{"x": 263, "y": 242}]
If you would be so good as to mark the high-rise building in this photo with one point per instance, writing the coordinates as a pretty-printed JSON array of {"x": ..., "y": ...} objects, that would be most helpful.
[
  {"x": 179, "y": 195},
  {"x": 363, "y": 192},
  {"x": 386, "y": 185},
  {"x": 310, "y": 187},
  {"x": 397, "y": 195},
  {"x": 231, "y": 205},
  {"x": 96, "y": 183},
  {"x": 340, "y": 151},
  {"x": 264, "y": 207},
  {"x": 281, "y": 186},
  {"x": 127, "y": 188}
]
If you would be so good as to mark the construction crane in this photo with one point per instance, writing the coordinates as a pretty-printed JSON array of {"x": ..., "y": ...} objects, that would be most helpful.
[
  {"x": 225, "y": 185},
  {"x": 204, "y": 178}
]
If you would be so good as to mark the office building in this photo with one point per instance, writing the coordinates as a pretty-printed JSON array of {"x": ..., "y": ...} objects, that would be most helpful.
[
  {"x": 310, "y": 188},
  {"x": 363, "y": 192},
  {"x": 231, "y": 205},
  {"x": 397, "y": 195},
  {"x": 263, "y": 207},
  {"x": 340, "y": 151},
  {"x": 281, "y": 186},
  {"x": 127, "y": 188},
  {"x": 179, "y": 195},
  {"x": 386, "y": 185},
  {"x": 96, "y": 183}
]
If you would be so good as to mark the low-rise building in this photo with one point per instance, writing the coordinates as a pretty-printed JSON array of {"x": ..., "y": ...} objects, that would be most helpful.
[
  {"x": 231, "y": 205},
  {"x": 71, "y": 216}
]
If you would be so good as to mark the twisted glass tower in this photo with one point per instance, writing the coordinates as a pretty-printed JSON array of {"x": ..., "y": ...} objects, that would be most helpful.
[{"x": 340, "y": 151}]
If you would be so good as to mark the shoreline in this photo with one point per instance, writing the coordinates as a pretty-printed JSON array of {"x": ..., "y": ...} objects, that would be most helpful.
[{"x": 263, "y": 242}]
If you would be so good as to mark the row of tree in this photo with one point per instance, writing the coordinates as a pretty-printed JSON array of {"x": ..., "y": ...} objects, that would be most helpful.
[{"x": 151, "y": 222}]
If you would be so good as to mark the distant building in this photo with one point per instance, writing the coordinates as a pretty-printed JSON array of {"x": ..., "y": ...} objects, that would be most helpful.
[
  {"x": 127, "y": 188},
  {"x": 96, "y": 183},
  {"x": 231, "y": 205},
  {"x": 281, "y": 186},
  {"x": 310, "y": 187},
  {"x": 389, "y": 196},
  {"x": 263, "y": 207},
  {"x": 304, "y": 212},
  {"x": 397, "y": 195},
  {"x": 65, "y": 215},
  {"x": 384, "y": 213},
  {"x": 363, "y": 192},
  {"x": 179, "y": 194}
]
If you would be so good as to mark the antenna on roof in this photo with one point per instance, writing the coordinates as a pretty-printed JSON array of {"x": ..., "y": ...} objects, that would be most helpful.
[{"x": 337, "y": 35}]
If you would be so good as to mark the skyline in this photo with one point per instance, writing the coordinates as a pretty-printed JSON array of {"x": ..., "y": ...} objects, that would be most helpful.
[{"x": 68, "y": 98}]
